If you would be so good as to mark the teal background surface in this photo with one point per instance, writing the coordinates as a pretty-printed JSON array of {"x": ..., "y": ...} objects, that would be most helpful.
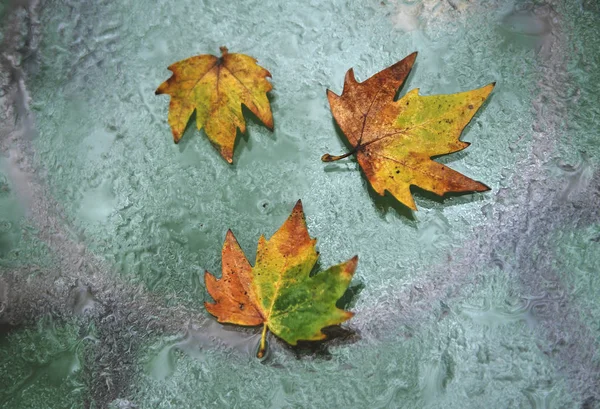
[{"x": 106, "y": 227}]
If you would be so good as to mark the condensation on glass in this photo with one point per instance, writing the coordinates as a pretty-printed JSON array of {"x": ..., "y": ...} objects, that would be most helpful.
[{"x": 106, "y": 226}]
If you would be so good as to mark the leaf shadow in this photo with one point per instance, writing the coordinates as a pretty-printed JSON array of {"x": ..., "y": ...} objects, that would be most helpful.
[
  {"x": 336, "y": 336},
  {"x": 341, "y": 166},
  {"x": 406, "y": 85},
  {"x": 384, "y": 203},
  {"x": 188, "y": 133},
  {"x": 243, "y": 141},
  {"x": 251, "y": 118},
  {"x": 249, "y": 340},
  {"x": 348, "y": 299},
  {"x": 335, "y": 167},
  {"x": 448, "y": 200},
  {"x": 451, "y": 157}
]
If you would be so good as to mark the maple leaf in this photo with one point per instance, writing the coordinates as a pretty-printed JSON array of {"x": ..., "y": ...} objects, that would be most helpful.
[
  {"x": 279, "y": 292},
  {"x": 394, "y": 141},
  {"x": 216, "y": 88}
]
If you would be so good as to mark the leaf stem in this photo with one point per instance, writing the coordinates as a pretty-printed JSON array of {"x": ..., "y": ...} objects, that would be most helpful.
[
  {"x": 329, "y": 158},
  {"x": 263, "y": 343}
]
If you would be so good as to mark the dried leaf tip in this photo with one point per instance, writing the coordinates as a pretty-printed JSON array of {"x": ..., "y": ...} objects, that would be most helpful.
[
  {"x": 332, "y": 97},
  {"x": 350, "y": 266},
  {"x": 298, "y": 206},
  {"x": 350, "y": 80},
  {"x": 409, "y": 60}
]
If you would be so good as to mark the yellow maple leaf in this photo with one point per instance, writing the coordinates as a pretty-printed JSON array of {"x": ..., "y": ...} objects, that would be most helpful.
[{"x": 216, "y": 88}]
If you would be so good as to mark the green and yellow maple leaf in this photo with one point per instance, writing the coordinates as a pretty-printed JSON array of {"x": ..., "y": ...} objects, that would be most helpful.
[{"x": 279, "y": 292}]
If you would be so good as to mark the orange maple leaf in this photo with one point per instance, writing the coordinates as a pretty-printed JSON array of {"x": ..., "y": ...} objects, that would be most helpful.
[{"x": 394, "y": 141}]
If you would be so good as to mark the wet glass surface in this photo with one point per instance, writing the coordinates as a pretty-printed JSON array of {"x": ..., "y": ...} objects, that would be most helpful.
[{"x": 106, "y": 226}]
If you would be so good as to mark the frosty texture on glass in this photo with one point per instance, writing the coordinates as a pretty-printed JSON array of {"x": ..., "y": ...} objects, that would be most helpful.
[{"x": 106, "y": 227}]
